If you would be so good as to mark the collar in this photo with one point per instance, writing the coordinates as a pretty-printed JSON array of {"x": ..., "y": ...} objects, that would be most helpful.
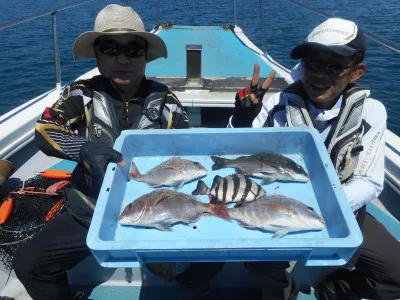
[
  {"x": 325, "y": 114},
  {"x": 101, "y": 83}
]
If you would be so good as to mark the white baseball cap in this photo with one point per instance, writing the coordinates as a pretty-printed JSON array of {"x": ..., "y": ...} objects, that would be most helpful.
[{"x": 338, "y": 35}]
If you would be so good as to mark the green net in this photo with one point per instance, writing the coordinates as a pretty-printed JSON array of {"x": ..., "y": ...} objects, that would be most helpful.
[{"x": 29, "y": 214}]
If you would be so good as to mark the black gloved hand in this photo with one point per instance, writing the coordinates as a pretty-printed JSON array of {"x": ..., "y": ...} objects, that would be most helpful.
[
  {"x": 248, "y": 102},
  {"x": 95, "y": 157},
  {"x": 245, "y": 110}
]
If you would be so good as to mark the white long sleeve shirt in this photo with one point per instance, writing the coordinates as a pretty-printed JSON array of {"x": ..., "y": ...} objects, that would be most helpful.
[{"x": 366, "y": 183}]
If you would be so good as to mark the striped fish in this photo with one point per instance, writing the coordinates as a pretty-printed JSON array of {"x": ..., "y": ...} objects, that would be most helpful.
[{"x": 231, "y": 189}]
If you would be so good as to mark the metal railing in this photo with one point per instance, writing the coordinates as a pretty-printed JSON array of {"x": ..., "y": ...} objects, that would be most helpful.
[
  {"x": 53, "y": 13},
  {"x": 234, "y": 12},
  {"x": 382, "y": 41},
  {"x": 262, "y": 27}
]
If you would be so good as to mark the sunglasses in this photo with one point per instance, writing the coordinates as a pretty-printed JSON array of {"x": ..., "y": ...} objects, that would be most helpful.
[
  {"x": 333, "y": 69},
  {"x": 112, "y": 48}
]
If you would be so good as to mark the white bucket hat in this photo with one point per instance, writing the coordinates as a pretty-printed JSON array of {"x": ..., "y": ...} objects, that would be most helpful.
[{"x": 115, "y": 19}]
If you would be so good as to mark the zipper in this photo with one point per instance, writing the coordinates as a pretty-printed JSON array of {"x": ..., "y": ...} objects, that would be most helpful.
[{"x": 127, "y": 111}]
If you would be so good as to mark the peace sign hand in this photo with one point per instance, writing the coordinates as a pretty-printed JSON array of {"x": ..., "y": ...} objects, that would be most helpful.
[
  {"x": 248, "y": 102},
  {"x": 259, "y": 92}
]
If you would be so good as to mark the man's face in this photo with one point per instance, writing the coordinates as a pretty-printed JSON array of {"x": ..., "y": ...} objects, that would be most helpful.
[
  {"x": 326, "y": 75},
  {"x": 121, "y": 58}
]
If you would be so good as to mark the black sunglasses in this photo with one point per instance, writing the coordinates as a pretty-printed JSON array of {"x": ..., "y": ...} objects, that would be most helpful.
[
  {"x": 333, "y": 69},
  {"x": 113, "y": 48}
]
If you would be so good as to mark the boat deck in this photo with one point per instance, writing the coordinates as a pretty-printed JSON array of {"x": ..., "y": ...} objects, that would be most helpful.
[{"x": 216, "y": 61}]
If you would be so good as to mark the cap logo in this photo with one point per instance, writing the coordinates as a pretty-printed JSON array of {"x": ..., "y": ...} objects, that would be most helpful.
[{"x": 333, "y": 32}]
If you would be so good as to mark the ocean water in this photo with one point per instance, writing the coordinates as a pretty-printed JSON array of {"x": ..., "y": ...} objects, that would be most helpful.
[{"x": 26, "y": 51}]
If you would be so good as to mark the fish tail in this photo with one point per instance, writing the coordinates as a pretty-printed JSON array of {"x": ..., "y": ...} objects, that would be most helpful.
[
  {"x": 220, "y": 210},
  {"x": 201, "y": 188},
  {"x": 219, "y": 162},
  {"x": 134, "y": 172}
]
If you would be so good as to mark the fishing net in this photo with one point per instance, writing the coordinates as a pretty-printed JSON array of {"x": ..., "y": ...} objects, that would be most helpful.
[{"x": 29, "y": 214}]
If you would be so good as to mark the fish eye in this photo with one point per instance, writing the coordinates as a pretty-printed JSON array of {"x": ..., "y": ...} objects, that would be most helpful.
[
  {"x": 310, "y": 209},
  {"x": 196, "y": 164}
]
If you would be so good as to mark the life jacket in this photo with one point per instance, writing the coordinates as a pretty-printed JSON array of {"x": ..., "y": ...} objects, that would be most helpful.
[
  {"x": 343, "y": 141},
  {"x": 102, "y": 121},
  {"x": 103, "y": 127}
]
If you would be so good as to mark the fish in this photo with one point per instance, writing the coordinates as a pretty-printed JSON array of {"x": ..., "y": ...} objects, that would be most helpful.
[
  {"x": 173, "y": 172},
  {"x": 270, "y": 166},
  {"x": 231, "y": 189},
  {"x": 162, "y": 208},
  {"x": 278, "y": 214}
]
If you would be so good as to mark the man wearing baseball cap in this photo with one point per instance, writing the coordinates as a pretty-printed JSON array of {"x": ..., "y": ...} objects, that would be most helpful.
[
  {"x": 82, "y": 126},
  {"x": 325, "y": 96}
]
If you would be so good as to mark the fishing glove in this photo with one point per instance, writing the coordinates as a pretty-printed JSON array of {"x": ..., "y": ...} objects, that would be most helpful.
[
  {"x": 245, "y": 111},
  {"x": 95, "y": 157}
]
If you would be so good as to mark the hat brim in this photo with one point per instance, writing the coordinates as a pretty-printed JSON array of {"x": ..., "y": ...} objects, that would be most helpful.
[
  {"x": 304, "y": 49},
  {"x": 83, "y": 46}
]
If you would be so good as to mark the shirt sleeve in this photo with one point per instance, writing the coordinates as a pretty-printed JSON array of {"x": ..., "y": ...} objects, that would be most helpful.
[
  {"x": 367, "y": 182},
  {"x": 55, "y": 130}
]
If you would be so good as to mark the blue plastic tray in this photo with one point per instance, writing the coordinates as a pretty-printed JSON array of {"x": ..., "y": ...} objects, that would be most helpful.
[{"x": 213, "y": 239}]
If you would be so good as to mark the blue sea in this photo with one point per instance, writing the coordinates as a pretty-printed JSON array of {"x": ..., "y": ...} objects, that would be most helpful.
[{"x": 26, "y": 52}]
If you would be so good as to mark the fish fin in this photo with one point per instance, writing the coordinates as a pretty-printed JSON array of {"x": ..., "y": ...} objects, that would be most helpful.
[
  {"x": 201, "y": 188},
  {"x": 219, "y": 162},
  {"x": 175, "y": 159},
  {"x": 213, "y": 200},
  {"x": 216, "y": 181},
  {"x": 279, "y": 234},
  {"x": 134, "y": 171},
  {"x": 255, "y": 195},
  {"x": 239, "y": 204},
  {"x": 240, "y": 171},
  {"x": 163, "y": 226},
  {"x": 268, "y": 180},
  {"x": 242, "y": 224},
  {"x": 220, "y": 211},
  {"x": 170, "y": 168},
  {"x": 179, "y": 185},
  {"x": 278, "y": 206}
]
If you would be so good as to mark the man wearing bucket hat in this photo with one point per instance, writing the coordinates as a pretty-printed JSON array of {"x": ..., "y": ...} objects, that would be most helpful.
[
  {"x": 325, "y": 96},
  {"x": 82, "y": 126}
]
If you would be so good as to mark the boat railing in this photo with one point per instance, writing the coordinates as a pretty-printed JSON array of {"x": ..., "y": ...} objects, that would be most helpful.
[
  {"x": 53, "y": 13},
  {"x": 380, "y": 40}
]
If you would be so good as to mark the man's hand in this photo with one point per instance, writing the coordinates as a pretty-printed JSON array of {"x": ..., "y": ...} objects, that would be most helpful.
[
  {"x": 95, "y": 157},
  {"x": 248, "y": 102}
]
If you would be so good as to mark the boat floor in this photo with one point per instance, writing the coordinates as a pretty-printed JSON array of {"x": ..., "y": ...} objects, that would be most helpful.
[
  {"x": 112, "y": 284},
  {"x": 155, "y": 292}
]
